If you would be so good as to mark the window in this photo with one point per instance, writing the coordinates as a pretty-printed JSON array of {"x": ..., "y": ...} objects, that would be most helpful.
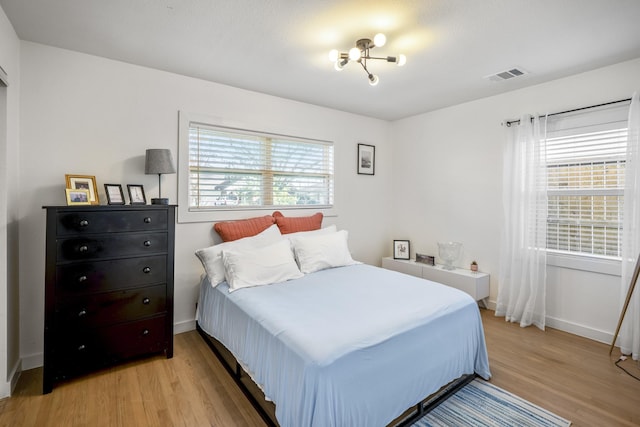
[
  {"x": 237, "y": 169},
  {"x": 585, "y": 155}
]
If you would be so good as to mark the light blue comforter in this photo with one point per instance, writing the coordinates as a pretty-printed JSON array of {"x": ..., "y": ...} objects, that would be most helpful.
[{"x": 349, "y": 346}]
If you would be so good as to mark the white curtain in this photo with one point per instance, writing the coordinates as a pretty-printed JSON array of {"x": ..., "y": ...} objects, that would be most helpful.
[
  {"x": 523, "y": 259},
  {"x": 630, "y": 331}
]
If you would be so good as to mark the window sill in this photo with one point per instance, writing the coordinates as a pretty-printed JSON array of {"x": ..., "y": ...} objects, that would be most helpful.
[{"x": 608, "y": 266}]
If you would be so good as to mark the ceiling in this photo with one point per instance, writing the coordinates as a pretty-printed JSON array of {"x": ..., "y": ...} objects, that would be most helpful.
[{"x": 280, "y": 47}]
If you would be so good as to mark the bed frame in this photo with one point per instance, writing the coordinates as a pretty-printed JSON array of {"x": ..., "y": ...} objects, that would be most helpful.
[{"x": 266, "y": 409}]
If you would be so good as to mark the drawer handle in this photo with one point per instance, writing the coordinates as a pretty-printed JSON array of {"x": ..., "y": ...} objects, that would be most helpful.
[
  {"x": 82, "y": 279},
  {"x": 147, "y": 243},
  {"x": 146, "y": 301},
  {"x": 147, "y": 220},
  {"x": 145, "y": 332},
  {"x": 84, "y": 223},
  {"x": 82, "y": 313},
  {"x": 146, "y": 270},
  {"x": 82, "y": 347},
  {"x": 83, "y": 248}
]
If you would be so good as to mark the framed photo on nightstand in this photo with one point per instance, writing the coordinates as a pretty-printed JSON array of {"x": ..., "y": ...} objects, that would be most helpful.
[
  {"x": 425, "y": 259},
  {"x": 401, "y": 249}
]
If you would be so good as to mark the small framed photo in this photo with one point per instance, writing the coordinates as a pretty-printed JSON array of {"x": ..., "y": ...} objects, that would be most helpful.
[
  {"x": 401, "y": 249},
  {"x": 366, "y": 159},
  {"x": 425, "y": 259},
  {"x": 77, "y": 197},
  {"x": 136, "y": 194},
  {"x": 115, "y": 196},
  {"x": 84, "y": 182}
]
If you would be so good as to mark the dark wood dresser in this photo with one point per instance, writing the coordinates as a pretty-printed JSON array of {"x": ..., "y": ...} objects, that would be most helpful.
[{"x": 108, "y": 286}]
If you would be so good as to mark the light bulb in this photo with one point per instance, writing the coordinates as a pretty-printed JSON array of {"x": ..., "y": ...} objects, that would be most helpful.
[
  {"x": 379, "y": 40},
  {"x": 373, "y": 79},
  {"x": 401, "y": 60},
  {"x": 354, "y": 54},
  {"x": 339, "y": 65},
  {"x": 334, "y": 55}
]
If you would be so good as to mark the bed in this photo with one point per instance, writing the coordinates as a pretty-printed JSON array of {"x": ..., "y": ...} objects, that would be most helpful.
[{"x": 331, "y": 341}]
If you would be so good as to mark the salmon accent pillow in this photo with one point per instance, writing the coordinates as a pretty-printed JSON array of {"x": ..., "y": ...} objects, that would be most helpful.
[
  {"x": 295, "y": 224},
  {"x": 234, "y": 230}
]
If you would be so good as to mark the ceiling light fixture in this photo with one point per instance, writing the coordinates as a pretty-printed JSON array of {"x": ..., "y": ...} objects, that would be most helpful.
[{"x": 360, "y": 53}]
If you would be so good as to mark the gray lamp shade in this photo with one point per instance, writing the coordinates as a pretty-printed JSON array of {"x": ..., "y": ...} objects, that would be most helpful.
[{"x": 159, "y": 160}]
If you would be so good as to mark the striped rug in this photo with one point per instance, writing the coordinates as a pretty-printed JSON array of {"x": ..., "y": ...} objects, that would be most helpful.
[{"x": 481, "y": 404}]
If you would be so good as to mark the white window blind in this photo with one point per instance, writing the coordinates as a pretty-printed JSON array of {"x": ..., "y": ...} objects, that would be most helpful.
[
  {"x": 585, "y": 155},
  {"x": 235, "y": 169}
]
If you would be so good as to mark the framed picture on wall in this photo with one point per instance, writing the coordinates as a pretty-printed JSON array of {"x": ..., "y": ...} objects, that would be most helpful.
[
  {"x": 84, "y": 182},
  {"x": 115, "y": 196},
  {"x": 136, "y": 194},
  {"x": 401, "y": 249},
  {"x": 366, "y": 159}
]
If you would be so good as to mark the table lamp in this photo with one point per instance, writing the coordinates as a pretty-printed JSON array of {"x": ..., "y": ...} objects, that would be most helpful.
[{"x": 159, "y": 161}]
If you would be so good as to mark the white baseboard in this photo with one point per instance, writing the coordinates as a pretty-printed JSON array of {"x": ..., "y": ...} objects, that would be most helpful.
[
  {"x": 491, "y": 305},
  {"x": 32, "y": 361},
  {"x": 580, "y": 330},
  {"x": 7, "y": 388},
  {"x": 14, "y": 375},
  {"x": 184, "y": 326},
  {"x": 571, "y": 327}
]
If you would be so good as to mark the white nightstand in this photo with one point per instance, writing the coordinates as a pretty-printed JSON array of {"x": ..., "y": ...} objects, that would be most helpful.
[{"x": 475, "y": 284}]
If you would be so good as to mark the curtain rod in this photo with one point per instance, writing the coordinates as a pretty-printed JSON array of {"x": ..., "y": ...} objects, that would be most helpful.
[{"x": 509, "y": 122}]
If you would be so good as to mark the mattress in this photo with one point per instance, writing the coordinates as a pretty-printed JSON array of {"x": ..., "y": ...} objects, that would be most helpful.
[{"x": 347, "y": 346}]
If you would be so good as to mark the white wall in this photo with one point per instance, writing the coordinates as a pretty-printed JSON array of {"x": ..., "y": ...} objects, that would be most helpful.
[
  {"x": 447, "y": 180},
  {"x": 9, "y": 293},
  {"x": 83, "y": 114},
  {"x": 89, "y": 115}
]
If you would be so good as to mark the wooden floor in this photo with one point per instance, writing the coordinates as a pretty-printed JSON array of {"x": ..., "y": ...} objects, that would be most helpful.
[{"x": 571, "y": 376}]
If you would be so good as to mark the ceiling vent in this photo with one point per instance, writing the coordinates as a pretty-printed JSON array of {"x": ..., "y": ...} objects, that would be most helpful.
[{"x": 506, "y": 75}]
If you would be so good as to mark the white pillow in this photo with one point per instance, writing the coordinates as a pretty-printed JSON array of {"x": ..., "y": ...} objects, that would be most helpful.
[
  {"x": 326, "y": 230},
  {"x": 262, "y": 266},
  {"x": 211, "y": 257},
  {"x": 322, "y": 251}
]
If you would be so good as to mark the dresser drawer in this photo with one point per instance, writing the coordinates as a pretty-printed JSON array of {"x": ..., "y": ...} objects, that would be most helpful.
[
  {"x": 83, "y": 222},
  {"x": 94, "y": 310},
  {"x": 78, "y": 351},
  {"x": 111, "y": 246},
  {"x": 101, "y": 276}
]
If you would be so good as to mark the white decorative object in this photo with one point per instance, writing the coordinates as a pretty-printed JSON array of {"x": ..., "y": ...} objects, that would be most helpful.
[{"x": 449, "y": 252}]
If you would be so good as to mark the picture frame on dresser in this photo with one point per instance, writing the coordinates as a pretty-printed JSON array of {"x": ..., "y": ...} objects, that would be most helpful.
[
  {"x": 77, "y": 197},
  {"x": 401, "y": 249},
  {"x": 115, "y": 195},
  {"x": 84, "y": 182},
  {"x": 136, "y": 194}
]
